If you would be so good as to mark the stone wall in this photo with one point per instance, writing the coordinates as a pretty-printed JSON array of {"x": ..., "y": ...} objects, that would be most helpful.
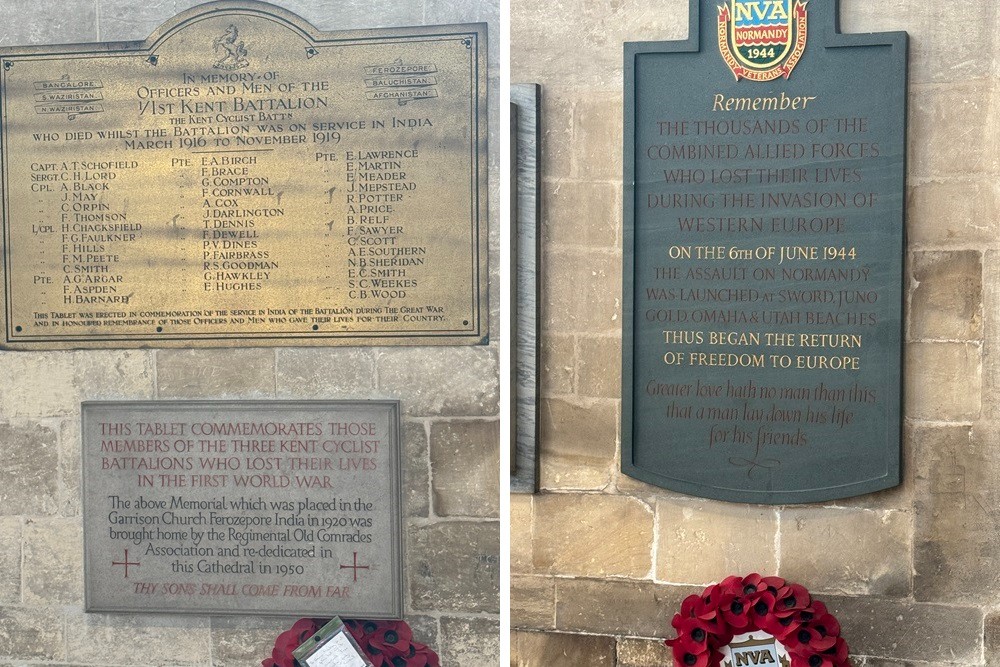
[
  {"x": 451, "y": 426},
  {"x": 600, "y": 561}
]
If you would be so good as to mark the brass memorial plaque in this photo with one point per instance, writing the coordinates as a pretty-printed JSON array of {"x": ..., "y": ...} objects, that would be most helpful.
[{"x": 242, "y": 179}]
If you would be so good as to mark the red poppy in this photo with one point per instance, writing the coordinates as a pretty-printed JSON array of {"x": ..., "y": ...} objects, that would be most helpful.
[
  {"x": 732, "y": 586},
  {"x": 819, "y": 660},
  {"x": 754, "y": 583},
  {"x": 694, "y": 634},
  {"x": 791, "y": 598},
  {"x": 822, "y": 620},
  {"x": 736, "y": 612},
  {"x": 763, "y": 604},
  {"x": 808, "y": 639},
  {"x": 288, "y": 641},
  {"x": 362, "y": 631},
  {"x": 423, "y": 657},
  {"x": 688, "y": 659},
  {"x": 392, "y": 638},
  {"x": 703, "y": 608},
  {"x": 779, "y": 628}
]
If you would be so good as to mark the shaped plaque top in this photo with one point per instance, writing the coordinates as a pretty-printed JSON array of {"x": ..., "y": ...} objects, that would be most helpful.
[
  {"x": 241, "y": 178},
  {"x": 764, "y": 193}
]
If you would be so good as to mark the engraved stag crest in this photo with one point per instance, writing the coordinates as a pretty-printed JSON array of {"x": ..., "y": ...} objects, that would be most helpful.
[{"x": 233, "y": 52}]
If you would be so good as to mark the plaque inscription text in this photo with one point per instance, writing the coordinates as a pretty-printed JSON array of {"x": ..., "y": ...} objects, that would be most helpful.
[
  {"x": 251, "y": 508},
  {"x": 764, "y": 256}
]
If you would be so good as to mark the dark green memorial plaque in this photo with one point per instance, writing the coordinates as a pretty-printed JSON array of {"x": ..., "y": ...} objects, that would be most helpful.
[{"x": 765, "y": 162}]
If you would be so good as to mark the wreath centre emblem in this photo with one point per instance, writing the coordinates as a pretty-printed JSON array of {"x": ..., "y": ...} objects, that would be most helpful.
[
  {"x": 761, "y": 40},
  {"x": 758, "y": 648}
]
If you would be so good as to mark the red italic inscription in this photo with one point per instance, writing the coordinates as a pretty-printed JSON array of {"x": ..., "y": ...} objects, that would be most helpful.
[
  {"x": 126, "y": 563},
  {"x": 354, "y": 567}
]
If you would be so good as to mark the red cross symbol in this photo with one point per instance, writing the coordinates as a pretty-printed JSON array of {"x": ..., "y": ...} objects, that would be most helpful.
[
  {"x": 126, "y": 563},
  {"x": 354, "y": 567}
]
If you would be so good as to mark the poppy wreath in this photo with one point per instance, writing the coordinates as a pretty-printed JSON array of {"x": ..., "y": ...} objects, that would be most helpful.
[
  {"x": 385, "y": 643},
  {"x": 803, "y": 626}
]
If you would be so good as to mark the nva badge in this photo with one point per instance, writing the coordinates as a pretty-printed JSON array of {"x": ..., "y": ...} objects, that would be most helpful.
[
  {"x": 761, "y": 40},
  {"x": 755, "y": 649}
]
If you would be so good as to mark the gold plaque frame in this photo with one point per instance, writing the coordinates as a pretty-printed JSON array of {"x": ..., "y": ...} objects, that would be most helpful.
[{"x": 242, "y": 179}]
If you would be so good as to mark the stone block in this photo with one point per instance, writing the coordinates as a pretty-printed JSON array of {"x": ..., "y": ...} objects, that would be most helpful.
[
  {"x": 540, "y": 38},
  {"x": 557, "y": 132},
  {"x": 701, "y": 542},
  {"x": 992, "y": 638},
  {"x": 592, "y": 536},
  {"x": 991, "y": 334},
  {"x": 557, "y": 363},
  {"x": 957, "y": 514},
  {"x": 520, "y": 532},
  {"x": 581, "y": 291},
  {"x": 454, "y": 566},
  {"x": 126, "y": 22},
  {"x": 346, "y": 15},
  {"x": 56, "y": 396},
  {"x": 416, "y": 474},
  {"x": 29, "y": 477},
  {"x": 629, "y": 608},
  {"x": 53, "y": 562},
  {"x": 240, "y": 641},
  {"x": 943, "y": 381},
  {"x": 32, "y": 633},
  {"x": 938, "y": 116},
  {"x": 215, "y": 374},
  {"x": 70, "y": 496},
  {"x": 355, "y": 14},
  {"x": 469, "y": 642},
  {"x": 165, "y": 641},
  {"x": 114, "y": 375},
  {"x": 643, "y": 653},
  {"x": 64, "y": 22},
  {"x": 946, "y": 213},
  {"x": 848, "y": 551},
  {"x": 542, "y": 35},
  {"x": 442, "y": 381},
  {"x": 532, "y": 602},
  {"x": 598, "y": 139},
  {"x": 426, "y": 630},
  {"x": 633, "y": 487},
  {"x": 904, "y": 630},
  {"x": 325, "y": 373},
  {"x": 577, "y": 443},
  {"x": 599, "y": 370},
  {"x": 946, "y": 302},
  {"x": 581, "y": 213},
  {"x": 897, "y": 498},
  {"x": 467, "y": 11},
  {"x": 537, "y": 649},
  {"x": 465, "y": 460},
  {"x": 943, "y": 48},
  {"x": 10, "y": 560}
]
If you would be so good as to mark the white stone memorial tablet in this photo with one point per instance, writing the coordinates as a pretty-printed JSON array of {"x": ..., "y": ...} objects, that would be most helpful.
[{"x": 270, "y": 508}]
